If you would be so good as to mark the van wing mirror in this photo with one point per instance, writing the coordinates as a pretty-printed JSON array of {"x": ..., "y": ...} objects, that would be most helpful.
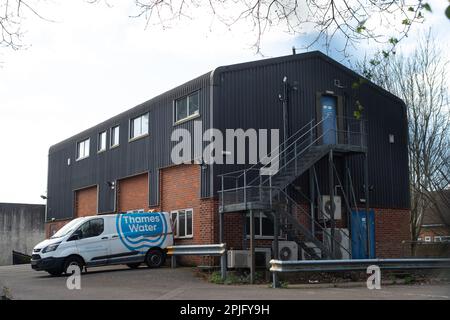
[{"x": 78, "y": 234}]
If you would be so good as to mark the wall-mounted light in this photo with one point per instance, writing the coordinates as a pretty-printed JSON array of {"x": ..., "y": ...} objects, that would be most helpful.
[
  {"x": 111, "y": 184},
  {"x": 391, "y": 138},
  {"x": 44, "y": 197}
]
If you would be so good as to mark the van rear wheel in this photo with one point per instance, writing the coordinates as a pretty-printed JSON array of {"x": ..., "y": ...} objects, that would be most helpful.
[
  {"x": 133, "y": 265},
  {"x": 154, "y": 258}
]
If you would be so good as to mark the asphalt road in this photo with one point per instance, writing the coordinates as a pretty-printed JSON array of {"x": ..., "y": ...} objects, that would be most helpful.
[{"x": 117, "y": 282}]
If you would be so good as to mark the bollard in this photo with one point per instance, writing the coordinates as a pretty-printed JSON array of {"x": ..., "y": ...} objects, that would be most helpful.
[
  {"x": 223, "y": 265},
  {"x": 275, "y": 283},
  {"x": 173, "y": 262}
]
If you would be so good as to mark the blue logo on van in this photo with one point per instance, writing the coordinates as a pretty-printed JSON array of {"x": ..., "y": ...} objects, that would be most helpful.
[{"x": 141, "y": 231}]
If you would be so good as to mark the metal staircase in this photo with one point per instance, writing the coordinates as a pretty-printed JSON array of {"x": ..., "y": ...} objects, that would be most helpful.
[{"x": 261, "y": 187}]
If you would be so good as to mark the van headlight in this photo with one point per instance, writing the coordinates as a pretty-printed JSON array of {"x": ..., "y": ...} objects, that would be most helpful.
[{"x": 51, "y": 247}]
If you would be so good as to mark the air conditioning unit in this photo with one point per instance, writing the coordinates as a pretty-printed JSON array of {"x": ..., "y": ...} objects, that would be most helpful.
[
  {"x": 242, "y": 258},
  {"x": 342, "y": 250},
  {"x": 287, "y": 250},
  {"x": 311, "y": 248},
  {"x": 326, "y": 208},
  {"x": 238, "y": 258}
]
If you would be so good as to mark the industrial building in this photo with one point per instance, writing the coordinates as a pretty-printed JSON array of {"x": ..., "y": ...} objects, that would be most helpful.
[{"x": 341, "y": 137}]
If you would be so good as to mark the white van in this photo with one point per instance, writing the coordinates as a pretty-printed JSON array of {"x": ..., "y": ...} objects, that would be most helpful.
[{"x": 126, "y": 238}]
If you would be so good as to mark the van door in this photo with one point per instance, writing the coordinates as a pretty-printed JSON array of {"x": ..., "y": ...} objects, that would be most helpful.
[
  {"x": 119, "y": 252},
  {"x": 93, "y": 243}
]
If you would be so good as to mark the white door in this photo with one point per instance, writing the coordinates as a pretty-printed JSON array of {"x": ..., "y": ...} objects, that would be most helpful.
[{"x": 93, "y": 243}]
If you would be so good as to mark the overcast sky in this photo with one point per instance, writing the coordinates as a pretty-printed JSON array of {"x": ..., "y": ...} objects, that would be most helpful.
[{"x": 94, "y": 62}]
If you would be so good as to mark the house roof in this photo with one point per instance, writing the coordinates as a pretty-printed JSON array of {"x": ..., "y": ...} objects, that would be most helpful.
[{"x": 439, "y": 213}]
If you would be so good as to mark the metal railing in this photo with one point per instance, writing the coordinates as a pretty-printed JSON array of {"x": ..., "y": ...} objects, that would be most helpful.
[
  {"x": 214, "y": 250},
  {"x": 290, "y": 152},
  {"x": 356, "y": 265}
]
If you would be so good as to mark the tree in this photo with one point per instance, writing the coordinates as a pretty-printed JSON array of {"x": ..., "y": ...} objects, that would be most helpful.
[
  {"x": 327, "y": 20},
  {"x": 420, "y": 80},
  {"x": 10, "y": 21}
]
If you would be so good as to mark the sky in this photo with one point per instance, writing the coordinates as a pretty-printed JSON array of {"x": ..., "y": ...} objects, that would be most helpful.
[{"x": 94, "y": 61}]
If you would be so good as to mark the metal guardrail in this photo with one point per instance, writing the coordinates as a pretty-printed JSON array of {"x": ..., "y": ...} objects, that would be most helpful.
[
  {"x": 200, "y": 250},
  {"x": 357, "y": 264},
  {"x": 216, "y": 250}
]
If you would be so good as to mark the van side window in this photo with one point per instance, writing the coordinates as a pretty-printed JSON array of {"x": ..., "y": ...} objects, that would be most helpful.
[{"x": 92, "y": 228}]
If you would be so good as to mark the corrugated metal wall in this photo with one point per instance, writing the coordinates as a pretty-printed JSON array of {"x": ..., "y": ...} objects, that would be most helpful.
[
  {"x": 246, "y": 96},
  {"x": 148, "y": 154}
]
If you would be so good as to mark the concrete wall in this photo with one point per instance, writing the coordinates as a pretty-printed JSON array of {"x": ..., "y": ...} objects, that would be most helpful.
[{"x": 21, "y": 228}]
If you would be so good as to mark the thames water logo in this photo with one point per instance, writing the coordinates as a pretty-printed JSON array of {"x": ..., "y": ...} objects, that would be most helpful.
[{"x": 141, "y": 231}]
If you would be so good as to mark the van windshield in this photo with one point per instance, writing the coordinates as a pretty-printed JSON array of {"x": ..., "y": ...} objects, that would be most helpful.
[{"x": 66, "y": 229}]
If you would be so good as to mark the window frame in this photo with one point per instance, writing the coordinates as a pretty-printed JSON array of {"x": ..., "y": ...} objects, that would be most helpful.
[
  {"x": 130, "y": 127},
  {"x": 99, "y": 141},
  {"x": 111, "y": 145},
  {"x": 427, "y": 239},
  {"x": 176, "y": 224},
  {"x": 260, "y": 217},
  {"x": 89, "y": 222},
  {"x": 189, "y": 116},
  {"x": 77, "y": 156}
]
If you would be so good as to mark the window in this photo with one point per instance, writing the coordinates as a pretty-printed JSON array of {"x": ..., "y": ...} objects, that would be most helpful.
[
  {"x": 263, "y": 226},
  {"x": 182, "y": 223},
  {"x": 437, "y": 239},
  {"x": 139, "y": 126},
  {"x": 427, "y": 239},
  {"x": 83, "y": 149},
  {"x": 101, "y": 141},
  {"x": 92, "y": 228},
  {"x": 419, "y": 239},
  {"x": 114, "y": 136},
  {"x": 187, "y": 107}
]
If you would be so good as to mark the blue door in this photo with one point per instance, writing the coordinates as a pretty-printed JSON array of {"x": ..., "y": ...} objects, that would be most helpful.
[
  {"x": 328, "y": 105},
  {"x": 359, "y": 234}
]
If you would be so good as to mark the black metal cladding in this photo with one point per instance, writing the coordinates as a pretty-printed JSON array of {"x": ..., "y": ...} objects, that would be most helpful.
[
  {"x": 147, "y": 154},
  {"x": 244, "y": 96}
]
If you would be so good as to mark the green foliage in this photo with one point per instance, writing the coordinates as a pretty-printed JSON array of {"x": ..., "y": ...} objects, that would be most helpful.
[
  {"x": 393, "y": 41},
  {"x": 406, "y": 22},
  {"x": 234, "y": 278},
  {"x": 359, "y": 109},
  {"x": 426, "y": 6},
  {"x": 447, "y": 12},
  {"x": 216, "y": 278}
]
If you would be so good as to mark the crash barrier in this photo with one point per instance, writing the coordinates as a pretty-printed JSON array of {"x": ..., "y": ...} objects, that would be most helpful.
[
  {"x": 201, "y": 250},
  {"x": 277, "y": 266}
]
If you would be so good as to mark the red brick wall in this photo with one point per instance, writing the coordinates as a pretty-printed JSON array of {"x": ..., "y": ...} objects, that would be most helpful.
[
  {"x": 52, "y": 227},
  {"x": 132, "y": 193},
  {"x": 180, "y": 189},
  {"x": 86, "y": 202},
  {"x": 392, "y": 226}
]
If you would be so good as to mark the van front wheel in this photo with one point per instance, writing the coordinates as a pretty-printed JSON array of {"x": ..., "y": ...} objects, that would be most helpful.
[
  {"x": 73, "y": 261},
  {"x": 154, "y": 258}
]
